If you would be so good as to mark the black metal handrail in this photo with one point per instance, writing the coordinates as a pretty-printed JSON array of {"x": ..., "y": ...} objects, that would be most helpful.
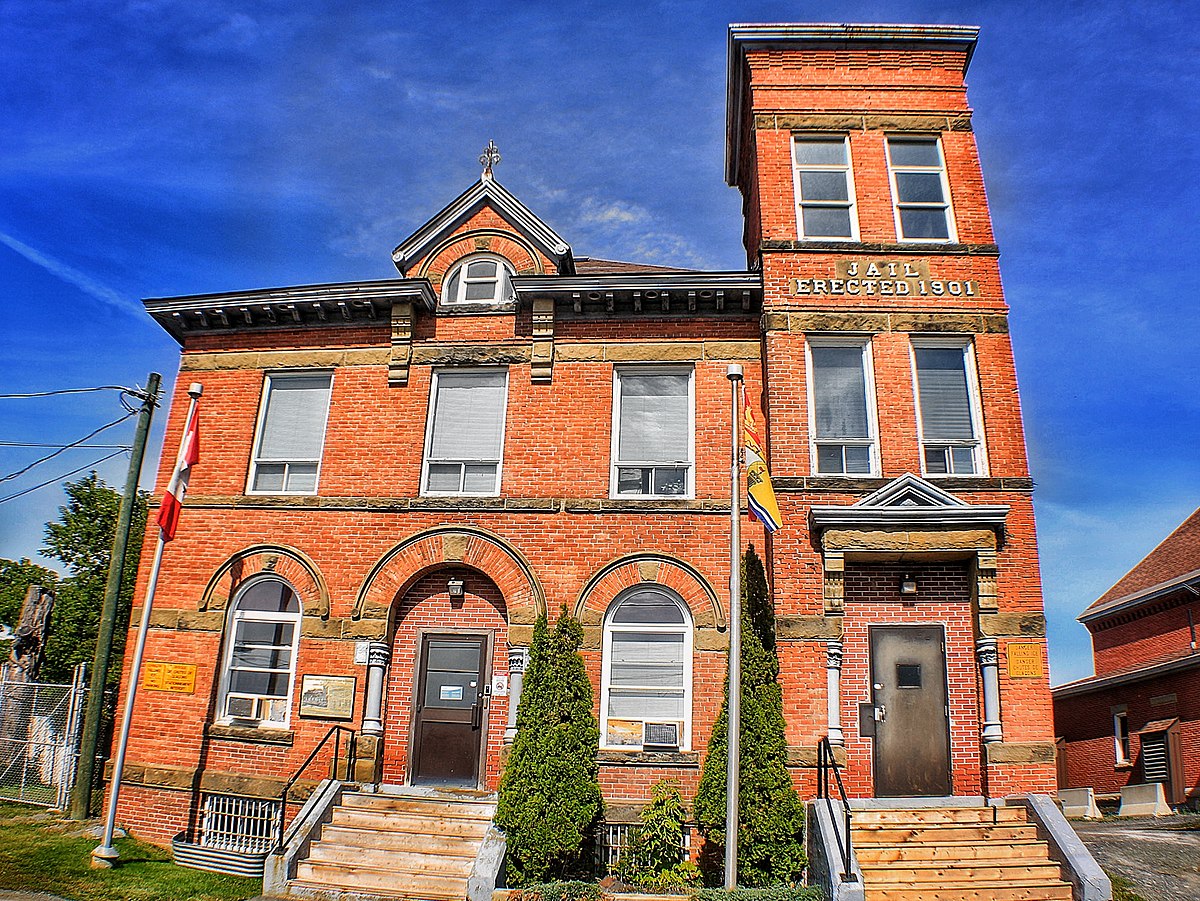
[
  {"x": 826, "y": 764},
  {"x": 336, "y": 733}
]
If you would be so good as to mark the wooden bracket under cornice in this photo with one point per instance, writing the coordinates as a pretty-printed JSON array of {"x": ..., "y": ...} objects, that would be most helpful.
[
  {"x": 541, "y": 364},
  {"x": 401, "y": 345}
]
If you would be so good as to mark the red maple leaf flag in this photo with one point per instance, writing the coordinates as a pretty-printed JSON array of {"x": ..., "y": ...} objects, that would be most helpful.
[{"x": 189, "y": 455}]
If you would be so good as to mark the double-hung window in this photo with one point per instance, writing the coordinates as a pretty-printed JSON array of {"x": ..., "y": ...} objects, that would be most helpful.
[
  {"x": 260, "y": 660},
  {"x": 652, "y": 433},
  {"x": 842, "y": 407},
  {"x": 478, "y": 279},
  {"x": 291, "y": 433},
  {"x": 647, "y": 671},
  {"x": 951, "y": 433},
  {"x": 824, "y": 189},
  {"x": 919, "y": 190},
  {"x": 1121, "y": 743},
  {"x": 464, "y": 442}
]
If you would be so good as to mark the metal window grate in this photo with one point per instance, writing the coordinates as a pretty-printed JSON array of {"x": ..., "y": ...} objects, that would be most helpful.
[
  {"x": 234, "y": 823},
  {"x": 614, "y": 838}
]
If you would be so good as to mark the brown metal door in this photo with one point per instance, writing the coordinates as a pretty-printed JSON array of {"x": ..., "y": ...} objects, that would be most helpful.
[
  {"x": 448, "y": 720},
  {"x": 912, "y": 725}
]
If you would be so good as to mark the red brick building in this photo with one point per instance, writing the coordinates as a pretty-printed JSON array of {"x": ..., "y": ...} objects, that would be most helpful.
[
  {"x": 1137, "y": 720},
  {"x": 399, "y": 476}
]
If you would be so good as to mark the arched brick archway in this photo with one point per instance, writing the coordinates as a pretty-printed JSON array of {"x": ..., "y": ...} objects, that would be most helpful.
[
  {"x": 288, "y": 563},
  {"x": 445, "y": 546},
  {"x": 635, "y": 569}
]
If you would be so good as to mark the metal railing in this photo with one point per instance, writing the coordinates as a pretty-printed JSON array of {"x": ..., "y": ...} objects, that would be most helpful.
[
  {"x": 335, "y": 732},
  {"x": 826, "y": 766},
  {"x": 39, "y": 739}
]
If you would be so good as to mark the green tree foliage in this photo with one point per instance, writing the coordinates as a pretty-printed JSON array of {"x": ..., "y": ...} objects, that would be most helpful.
[
  {"x": 82, "y": 538},
  {"x": 760, "y": 612},
  {"x": 771, "y": 815},
  {"x": 654, "y": 858},
  {"x": 15, "y": 578},
  {"x": 550, "y": 801}
]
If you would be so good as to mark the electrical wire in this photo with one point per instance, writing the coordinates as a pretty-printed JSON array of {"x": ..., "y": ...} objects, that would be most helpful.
[
  {"x": 43, "y": 444},
  {"x": 13, "y": 497},
  {"x": 67, "y": 447},
  {"x": 64, "y": 391}
]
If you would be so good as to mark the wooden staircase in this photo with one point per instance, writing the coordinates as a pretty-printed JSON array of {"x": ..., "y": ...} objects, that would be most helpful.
[
  {"x": 954, "y": 854},
  {"x": 418, "y": 846}
]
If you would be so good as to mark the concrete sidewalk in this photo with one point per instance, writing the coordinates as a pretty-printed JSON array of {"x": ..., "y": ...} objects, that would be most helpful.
[{"x": 1159, "y": 855}]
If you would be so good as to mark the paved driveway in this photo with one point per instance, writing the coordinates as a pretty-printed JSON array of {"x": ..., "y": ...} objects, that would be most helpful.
[{"x": 1160, "y": 856}]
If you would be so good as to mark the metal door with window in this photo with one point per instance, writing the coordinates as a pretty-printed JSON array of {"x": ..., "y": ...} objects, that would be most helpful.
[
  {"x": 449, "y": 716},
  {"x": 912, "y": 724}
]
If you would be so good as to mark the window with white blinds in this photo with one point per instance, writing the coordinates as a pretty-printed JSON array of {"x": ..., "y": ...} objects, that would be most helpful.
[
  {"x": 260, "y": 655},
  {"x": 950, "y": 432},
  {"x": 652, "y": 444},
  {"x": 843, "y": 421},
  {"x": 291, "y": 433},
  {"x": 465, "y": 439},
  {"x": 647, "y": 669}
]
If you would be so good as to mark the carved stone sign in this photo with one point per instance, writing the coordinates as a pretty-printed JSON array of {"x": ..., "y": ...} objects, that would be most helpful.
[
  {"x": 883, "y": 278},
  {"x": 179, "y": 678},
  {"x": 1025, "y": 660}
]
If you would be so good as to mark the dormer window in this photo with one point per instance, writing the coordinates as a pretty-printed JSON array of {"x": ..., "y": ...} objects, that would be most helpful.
[{"x": 480, "y": 279}]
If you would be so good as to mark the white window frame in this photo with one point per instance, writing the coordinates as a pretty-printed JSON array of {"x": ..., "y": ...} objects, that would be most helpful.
[
  {"x": 688, "y": 629},
  {"x": 971, "y": 373},
  {"x": 504, "y": 275},
  {"x": 256, "y": 459},
  {"x": 429, "y": 423},
  {"x": 851, "y": 204},
  {"x": 238, "y": 616},
  {"x": 872, "y": 440},
  {"x": 617, "y": 464},
  {"x": 946, "y": 206},
  {"x": 1123, "y": 750}
]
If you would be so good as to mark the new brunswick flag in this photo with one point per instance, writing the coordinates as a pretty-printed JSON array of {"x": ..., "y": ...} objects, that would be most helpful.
[{"x": 759, "y": 493}]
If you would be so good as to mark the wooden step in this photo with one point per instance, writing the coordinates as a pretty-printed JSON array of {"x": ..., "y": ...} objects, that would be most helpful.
[
  {"x": 980, "y": 891},
  {"x": 943, "y": 873},
  {"x": 914, "y": 852},
  {"x": 449, "y": 808},
  {"x": 933, "y": 816},
  {"x": 450, "y": 845},
  {"x": 399, "y": 862},
  {"x": 384, "y": 821},
  {"x": 349, "y": 877},
  {"x": 886, "y": 834}
]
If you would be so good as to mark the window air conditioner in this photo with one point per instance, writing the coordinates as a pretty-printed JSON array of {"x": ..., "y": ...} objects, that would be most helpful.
[{"x": 660, "y": 736}]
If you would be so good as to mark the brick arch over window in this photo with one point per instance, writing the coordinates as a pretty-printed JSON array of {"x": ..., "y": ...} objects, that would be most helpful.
[
  {"x": 662, "y": 569},
  {"x": 400, "y": 567},
  {"x": 288, "y": 563},
  {"x": 514, "y": 248}
]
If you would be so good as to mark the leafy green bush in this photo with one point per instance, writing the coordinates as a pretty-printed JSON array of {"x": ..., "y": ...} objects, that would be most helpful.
[
  {"x": 559, "y": 891},
  {"x": 770, "y": 813},
  {"x": 550, "y": 802},
  {"x": 654, "y": 857},
  {"x": 773, "y": 893}
]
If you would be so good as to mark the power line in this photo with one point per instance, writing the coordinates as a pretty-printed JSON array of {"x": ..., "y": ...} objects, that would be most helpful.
[
  {"x": 42, "y": 444},
  {"x": 66, "y": 447},
  {"x": 13, "y": 497},
  {"x": 67, "y": 391}
]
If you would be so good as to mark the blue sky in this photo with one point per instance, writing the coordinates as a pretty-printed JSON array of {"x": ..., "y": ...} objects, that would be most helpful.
[{"x": 155, "y": 147}]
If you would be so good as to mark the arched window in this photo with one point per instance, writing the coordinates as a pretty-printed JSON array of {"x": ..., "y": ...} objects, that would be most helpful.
[
  {"x": 482, "y": 278},
  {"x": 260, "y": 657},
  {"x": 646, "y": 685}
]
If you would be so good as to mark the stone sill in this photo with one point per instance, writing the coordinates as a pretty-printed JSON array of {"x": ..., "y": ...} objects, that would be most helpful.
[
  {"x": 252, "y": 734},
  {"x": 687, "y": 759}
]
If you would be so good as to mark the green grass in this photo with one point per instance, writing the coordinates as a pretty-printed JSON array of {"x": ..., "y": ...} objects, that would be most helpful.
[
  {"x": 38, "y": 854},
  {"x": 1122, "y": 890}
]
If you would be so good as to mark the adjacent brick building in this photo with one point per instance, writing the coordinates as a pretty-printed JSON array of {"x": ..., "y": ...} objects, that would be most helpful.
[
  {"x": 1137, "y": 720},
  {"x": 399, "y": 476}
]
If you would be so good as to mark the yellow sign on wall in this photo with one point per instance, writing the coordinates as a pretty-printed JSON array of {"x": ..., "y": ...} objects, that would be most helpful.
[
  {"x": 177, "y": 677},
  {"x": 1025, "y": 660}
]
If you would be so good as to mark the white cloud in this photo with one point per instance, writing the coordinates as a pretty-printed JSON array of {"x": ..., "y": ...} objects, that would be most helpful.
[{"x": 73, "y": 276}]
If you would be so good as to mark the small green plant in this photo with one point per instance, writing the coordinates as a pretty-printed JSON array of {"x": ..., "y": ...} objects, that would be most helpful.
[
  {"x": 654, "y": 857},
  {"x": 572, "y": 890},
  {"x": 550, "y": 801}
]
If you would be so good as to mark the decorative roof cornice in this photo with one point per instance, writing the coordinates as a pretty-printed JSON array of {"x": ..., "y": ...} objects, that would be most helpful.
[
  {"x": 486, "y": 190},
  {"x": 909, "y": 501},
  {"x": 797, "y": 36},
  {"x": 298, "y": 305},
  {"x": 665, "y": 291}
]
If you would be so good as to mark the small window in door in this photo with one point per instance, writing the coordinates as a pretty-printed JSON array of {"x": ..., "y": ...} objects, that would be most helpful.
[{"x": 908, "y": 675}]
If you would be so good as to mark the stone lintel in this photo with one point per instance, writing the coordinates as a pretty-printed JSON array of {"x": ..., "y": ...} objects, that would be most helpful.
[
  {"x": 792, "y": 627},
  {"x": 283, "y": 359},
  {"x": 469, "y": 354},
  {"x": 968, "y": 322},
  {"x": 1020, "y": 752},
  {"x": 908, "y": 540},
  {"x": 844, "y": 485},
  {"x": 897, "y": 120},
  {"x": 1012, "y": 625}
]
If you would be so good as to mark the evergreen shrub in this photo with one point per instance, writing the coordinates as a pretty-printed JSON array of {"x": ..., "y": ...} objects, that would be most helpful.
[{"x": 550, "y": 803}]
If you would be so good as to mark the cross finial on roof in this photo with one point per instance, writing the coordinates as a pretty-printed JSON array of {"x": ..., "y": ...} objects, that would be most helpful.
[{"x": 490, "y": 157}]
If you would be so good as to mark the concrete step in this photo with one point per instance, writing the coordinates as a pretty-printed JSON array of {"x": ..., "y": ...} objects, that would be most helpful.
[
  {"x": 400, "y": 862},
  {"x": 354, "y": 836},
  {"x": 419, "y": 824},
  {"x": 979, "y": 891},
  {"x": 444, "y": 807},
  {"x": 349, "y": 877},
  {"x": 912, "y": 852},
  {"x": 933, "y": 816},
  {"x": 888, "y": 834}
]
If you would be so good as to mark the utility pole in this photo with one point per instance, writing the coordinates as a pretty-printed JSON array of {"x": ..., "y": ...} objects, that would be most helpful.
[{"x": 81, "y": 793}]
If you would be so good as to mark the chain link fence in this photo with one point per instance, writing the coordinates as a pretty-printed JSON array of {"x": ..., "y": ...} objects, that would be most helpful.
[{"x": 40, "y": 726}]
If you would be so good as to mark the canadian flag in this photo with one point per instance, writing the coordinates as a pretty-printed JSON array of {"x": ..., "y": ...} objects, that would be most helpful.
[{"x": 189, "y": 455}]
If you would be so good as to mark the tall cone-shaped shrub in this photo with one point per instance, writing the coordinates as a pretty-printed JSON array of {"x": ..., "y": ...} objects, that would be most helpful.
[
  {"x": 771, "y": 814},
  {"x": 550, "y": 801}
]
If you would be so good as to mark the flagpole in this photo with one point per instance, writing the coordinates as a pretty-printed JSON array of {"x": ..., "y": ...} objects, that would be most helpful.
[
  {"x": 732, "y": 766},
  {"x": 105, "y": 854}
]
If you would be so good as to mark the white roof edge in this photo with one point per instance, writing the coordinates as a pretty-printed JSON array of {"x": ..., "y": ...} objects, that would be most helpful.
[
  {"x": 1150, "y": 671},
  {"x": 1135, "y": 599}
]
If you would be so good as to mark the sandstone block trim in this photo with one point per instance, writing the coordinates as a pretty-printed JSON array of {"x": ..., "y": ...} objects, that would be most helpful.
[{"x": 1020, "y": 752}]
